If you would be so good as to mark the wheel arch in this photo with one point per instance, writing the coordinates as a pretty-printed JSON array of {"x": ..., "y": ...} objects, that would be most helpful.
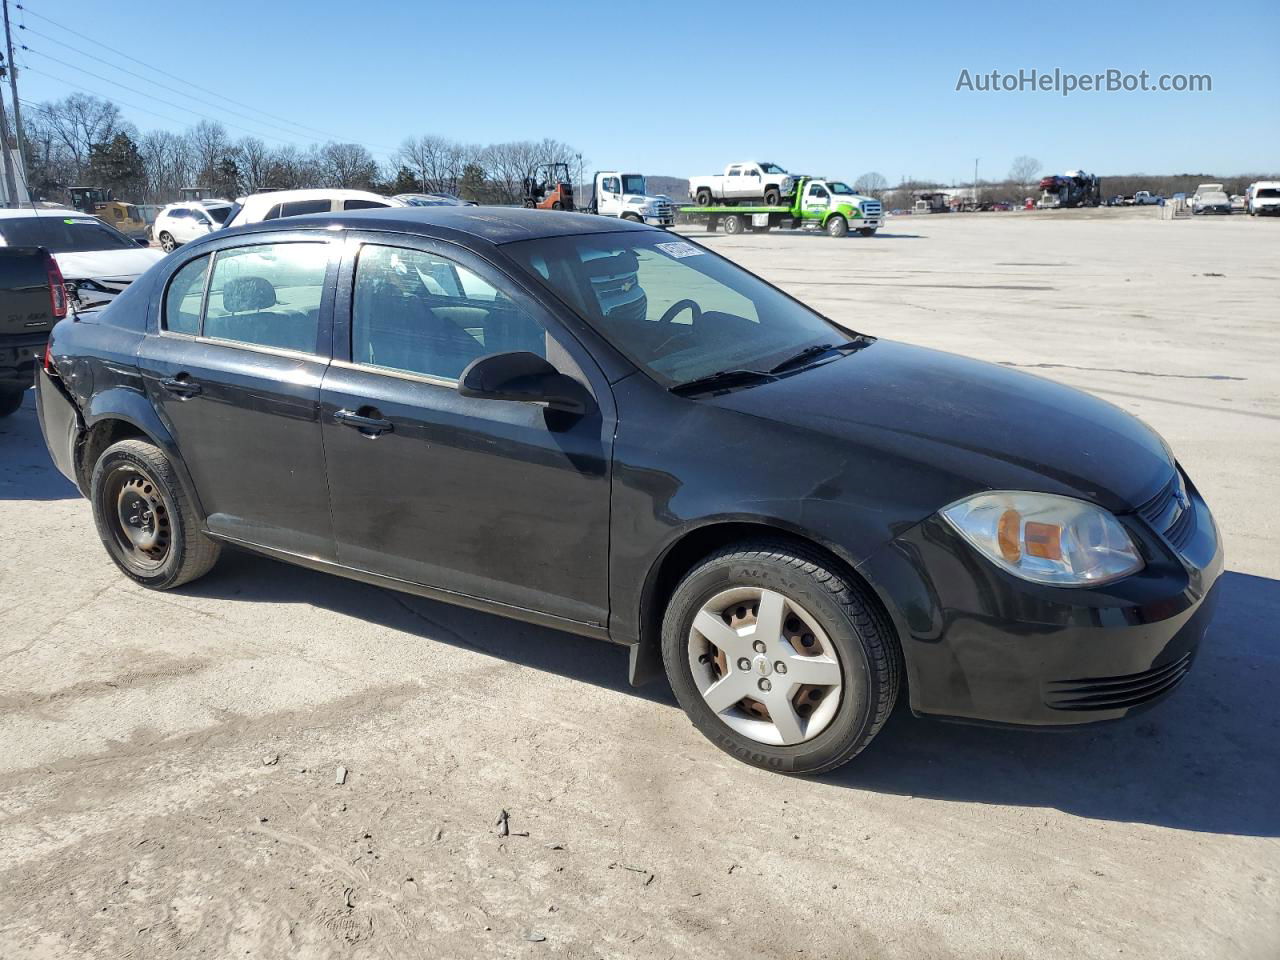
[
  {"x": 119, "y": 414},
  {"x": 695, "y": 545}
]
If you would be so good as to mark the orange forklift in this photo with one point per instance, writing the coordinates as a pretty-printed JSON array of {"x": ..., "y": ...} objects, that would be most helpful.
[{"x": 549, "y": 188}]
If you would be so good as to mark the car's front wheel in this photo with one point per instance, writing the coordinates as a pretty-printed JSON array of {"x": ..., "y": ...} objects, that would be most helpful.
[
  {"x": 837, "y": 226},
  {"x": 145, "y": 518},
  {"x": 779, "y": 659}
]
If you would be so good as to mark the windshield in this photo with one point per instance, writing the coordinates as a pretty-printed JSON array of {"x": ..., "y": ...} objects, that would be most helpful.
[
  {"x": 838, "y": 187},
  {"x": 62, "y": 234},
  {"x": 218, "y": 214},
  {"x": 677, "y": 311},
  {"x": 632, "y": 183},
  {"x": 771, "y": 168}
]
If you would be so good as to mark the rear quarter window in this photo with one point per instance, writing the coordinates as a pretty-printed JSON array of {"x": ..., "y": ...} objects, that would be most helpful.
[{"x": 185, "y": 297}]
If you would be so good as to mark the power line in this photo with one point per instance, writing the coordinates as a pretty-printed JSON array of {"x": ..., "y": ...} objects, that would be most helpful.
[
  {"x": 144, "y": 79},
  {"x": 174, "y": 76},
  {"x": 43, "y": 108},
  {"x": 150, "y": 96}
]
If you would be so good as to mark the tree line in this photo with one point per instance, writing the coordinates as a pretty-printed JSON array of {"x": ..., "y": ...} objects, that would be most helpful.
[{"x": 83, "y": 140}]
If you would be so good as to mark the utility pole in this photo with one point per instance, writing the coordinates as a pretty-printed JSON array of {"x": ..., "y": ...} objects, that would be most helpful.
[
  {"x": 17, "y": 109},
  {"x": 975, "y": 170},
  {"x": 11, "y": 187}
]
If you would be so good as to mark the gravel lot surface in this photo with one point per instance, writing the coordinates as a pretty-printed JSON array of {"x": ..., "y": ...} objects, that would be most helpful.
[{"x": 168, "y": 783}]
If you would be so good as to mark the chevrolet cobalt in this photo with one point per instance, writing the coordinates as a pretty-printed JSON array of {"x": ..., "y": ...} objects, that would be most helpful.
[{"x": 608, "y": 429}]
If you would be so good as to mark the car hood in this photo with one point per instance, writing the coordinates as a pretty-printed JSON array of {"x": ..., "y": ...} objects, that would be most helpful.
[
  {"x": 949, "y": 426},
  {"x": 122, "y": 264}
]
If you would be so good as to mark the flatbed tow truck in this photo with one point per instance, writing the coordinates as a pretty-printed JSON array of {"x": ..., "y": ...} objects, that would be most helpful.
[{"x": 818, "y": 204}]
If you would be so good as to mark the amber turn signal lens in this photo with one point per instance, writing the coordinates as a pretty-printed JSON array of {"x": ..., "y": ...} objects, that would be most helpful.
[
  {"x": 1008, "y": 532},
  {"x": 1044, "y": 540}
]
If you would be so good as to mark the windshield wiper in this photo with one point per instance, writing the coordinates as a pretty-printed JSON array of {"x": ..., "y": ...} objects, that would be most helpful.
[
  {"x": 809, "y": 353},
  {"x": 722, "y": 379}
]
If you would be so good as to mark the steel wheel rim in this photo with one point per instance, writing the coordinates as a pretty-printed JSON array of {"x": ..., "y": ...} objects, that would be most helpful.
[
  {"x": 765, "y": 666},
  {"x": 139, "y": 517}
]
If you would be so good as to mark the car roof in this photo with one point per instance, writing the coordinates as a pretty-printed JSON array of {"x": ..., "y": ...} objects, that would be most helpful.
[
  {"x": 497, "y": 225},
  {"x": 11, "y": 212}
]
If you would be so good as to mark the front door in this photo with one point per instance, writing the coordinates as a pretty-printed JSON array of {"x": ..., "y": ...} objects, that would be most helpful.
[
  {"x": 503, "y": 501},
  {"x": 235, "y": 371}
]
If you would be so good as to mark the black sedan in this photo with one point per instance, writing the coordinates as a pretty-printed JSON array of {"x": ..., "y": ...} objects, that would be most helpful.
[{"x": 609, "y": 429}]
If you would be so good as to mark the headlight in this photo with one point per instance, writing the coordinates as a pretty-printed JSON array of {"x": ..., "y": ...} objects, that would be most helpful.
[{"x": 1046, "y": 538}]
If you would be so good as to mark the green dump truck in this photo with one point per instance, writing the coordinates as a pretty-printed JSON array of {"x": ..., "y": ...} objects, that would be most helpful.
[{"x": 818, "y": 204}]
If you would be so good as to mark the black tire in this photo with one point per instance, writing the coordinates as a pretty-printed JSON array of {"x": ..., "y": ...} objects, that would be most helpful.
[
  {"x": 866, "y": 231},
  {"x": 772, "y": 197},
  {"x": 703, "y": 198},
  {"x": 867, "y": 648},
  {"x": 167, "y": 243},
  {"x": 735, "y": 223},
  {"x": 837, "y": 226},
  {"x": 633, "y": 217},
  {"x": 182, "y": 552},
  {"x": 11, "y": 400}
]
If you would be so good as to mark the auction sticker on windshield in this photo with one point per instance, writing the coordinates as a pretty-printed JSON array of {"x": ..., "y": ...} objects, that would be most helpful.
[{"x": 679, "y": 249}]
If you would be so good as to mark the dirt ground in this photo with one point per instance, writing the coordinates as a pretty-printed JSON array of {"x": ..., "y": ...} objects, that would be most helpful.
[{"x": 169, "y": 780}]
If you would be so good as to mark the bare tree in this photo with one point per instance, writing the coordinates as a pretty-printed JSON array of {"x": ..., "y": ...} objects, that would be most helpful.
[
  {"x": 873, "y": 184},
  {"x": 254, "y": 160},
  {"x": 1024, "y": 169},
  {"x": 210, "y": 146}
]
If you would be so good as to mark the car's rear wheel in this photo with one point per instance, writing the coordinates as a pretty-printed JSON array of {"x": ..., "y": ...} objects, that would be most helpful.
[
  {"x": 779, "y": 659},
  {"x": 167, "y": 243},
  {"x": 145, "y": 518},
  {"x": 11, "y": 400},
  {"x": 735, "y": 223}
]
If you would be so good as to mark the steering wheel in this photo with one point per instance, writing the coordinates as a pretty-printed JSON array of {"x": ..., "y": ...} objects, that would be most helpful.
[{"x": 675, "y": 309}]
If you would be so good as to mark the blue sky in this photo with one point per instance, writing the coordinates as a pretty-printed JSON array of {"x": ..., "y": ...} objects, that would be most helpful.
[{"x": 683, "y": 88}]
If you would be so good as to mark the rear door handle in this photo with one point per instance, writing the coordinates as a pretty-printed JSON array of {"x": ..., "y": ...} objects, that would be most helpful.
[
  {"x": 181, "y": 386},
  {"x": 369, "y": 426}
]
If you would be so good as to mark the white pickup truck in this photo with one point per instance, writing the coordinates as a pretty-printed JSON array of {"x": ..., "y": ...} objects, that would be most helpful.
[
  {"x": 765, "y": 183},
  {"x": 1144, "y": 198},
  {"x": 625, "y": 195}
]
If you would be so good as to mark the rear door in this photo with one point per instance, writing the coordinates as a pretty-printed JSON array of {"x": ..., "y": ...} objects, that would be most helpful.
[
  {"x": 504, "y": 501},
  {"x": 234, "y": 367}
]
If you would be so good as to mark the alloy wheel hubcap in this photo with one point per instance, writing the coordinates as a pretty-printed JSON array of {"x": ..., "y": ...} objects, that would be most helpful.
[{"x": 765, "y": 666}]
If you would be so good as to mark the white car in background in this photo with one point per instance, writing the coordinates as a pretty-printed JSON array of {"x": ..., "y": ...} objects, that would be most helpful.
[
  {"x": 180, "y": 223},
  {"x": 1263, "y": 198},
  {"x": 294, "y": 203},
  {"x": 96, "y": 260}
]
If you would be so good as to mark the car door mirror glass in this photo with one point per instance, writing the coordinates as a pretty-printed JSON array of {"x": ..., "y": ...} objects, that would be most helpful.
[{"x": 525, "y": 378}]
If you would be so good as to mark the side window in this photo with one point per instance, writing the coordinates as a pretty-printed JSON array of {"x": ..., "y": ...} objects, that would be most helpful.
[
  {"x": 273, "y": 213},
  {"x": 186, "y": 295},
  {"x": 362, "y": 204},
  {"x": 298, "y": 207},
  {"x": 610, "y": 185},
  {"x": 422, "y": 313},
  {"x": 735, "y": 172},
  {"x": 178, "y": 214},
  {"x": 268, "y": 295}
]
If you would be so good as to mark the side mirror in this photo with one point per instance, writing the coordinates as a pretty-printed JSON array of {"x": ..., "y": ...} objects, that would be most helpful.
[{"x": 525, "y": 378}]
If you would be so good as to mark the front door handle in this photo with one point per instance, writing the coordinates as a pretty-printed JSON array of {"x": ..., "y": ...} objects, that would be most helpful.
[
  {"x": 370, "y": 426},
  {"x": 181, "y": 386}
]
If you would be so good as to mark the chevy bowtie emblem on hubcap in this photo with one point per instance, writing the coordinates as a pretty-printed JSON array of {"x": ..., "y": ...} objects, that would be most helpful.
[{"x": 762, "y": 666}]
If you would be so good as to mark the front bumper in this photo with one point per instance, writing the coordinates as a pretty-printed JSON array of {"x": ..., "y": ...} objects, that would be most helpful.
[
  {"x": 19, "y": 357},
  {"x": 983, "y": 645}
]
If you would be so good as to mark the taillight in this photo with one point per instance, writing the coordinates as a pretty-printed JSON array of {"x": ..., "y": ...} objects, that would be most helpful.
[
  {"x": 57, "y": 288},
  {"x": 48, "y": 357}
]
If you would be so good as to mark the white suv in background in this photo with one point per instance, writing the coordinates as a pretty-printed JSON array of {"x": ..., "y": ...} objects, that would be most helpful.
[
  {"x": 180, "y": 223},
  {"x": 294, "y": 203}
]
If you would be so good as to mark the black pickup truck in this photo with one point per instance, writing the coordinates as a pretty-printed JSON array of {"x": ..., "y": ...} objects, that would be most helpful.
[{"x": 32, "y": 299}]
